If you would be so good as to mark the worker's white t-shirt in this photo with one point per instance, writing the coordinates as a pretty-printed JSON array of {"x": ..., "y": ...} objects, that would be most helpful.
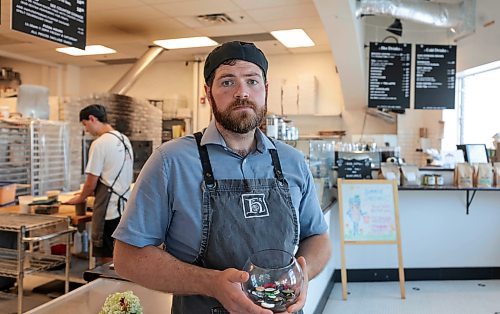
[{"x": 106, "y": 156}]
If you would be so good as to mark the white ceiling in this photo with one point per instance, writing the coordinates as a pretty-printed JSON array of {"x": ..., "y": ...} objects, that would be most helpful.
[{"x": 130, "y": 26}]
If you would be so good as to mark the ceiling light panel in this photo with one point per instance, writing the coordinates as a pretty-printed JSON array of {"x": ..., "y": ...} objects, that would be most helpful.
[
  {"x": 190, "y": 42},
  {"x": 89, "y": 50},
  {"x": 293, "y": 38}
]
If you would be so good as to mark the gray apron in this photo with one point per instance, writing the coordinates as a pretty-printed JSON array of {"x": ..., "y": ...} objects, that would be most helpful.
[
  {"x": 239, "y": 217},
  {"x": 103, "y": 194}
]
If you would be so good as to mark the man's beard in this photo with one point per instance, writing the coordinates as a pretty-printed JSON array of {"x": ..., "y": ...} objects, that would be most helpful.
[{"x": 239, "y": 122}]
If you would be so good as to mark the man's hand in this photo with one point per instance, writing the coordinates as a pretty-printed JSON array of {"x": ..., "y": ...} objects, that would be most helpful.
[
  {"x": 301, "y": 300},
  {"x": 75, "y": 200},
  {"x": 227, "y": 290}
]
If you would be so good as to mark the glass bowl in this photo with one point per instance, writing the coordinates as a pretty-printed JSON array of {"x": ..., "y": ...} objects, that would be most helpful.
[{"x": 275, "y": 281}]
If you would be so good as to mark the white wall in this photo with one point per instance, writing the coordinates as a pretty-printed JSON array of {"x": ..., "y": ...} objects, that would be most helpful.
[
  {"x": 288, "y": 68},
  {"x": 160, "y": 80},
  {"x": 35, "y": 74},
  {"x": 483, "y": 46}
]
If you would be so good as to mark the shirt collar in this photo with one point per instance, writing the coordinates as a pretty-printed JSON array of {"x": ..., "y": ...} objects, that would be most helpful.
[{"x": 212, "y": 136}]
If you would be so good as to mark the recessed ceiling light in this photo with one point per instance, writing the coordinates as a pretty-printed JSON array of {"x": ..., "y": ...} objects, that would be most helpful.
[
  {"x": 190, "y": 42},
  {"x": 89, "y": 50},
  {"x": 293, "y": 38}
]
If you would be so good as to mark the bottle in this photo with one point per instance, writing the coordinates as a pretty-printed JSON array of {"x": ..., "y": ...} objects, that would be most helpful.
[
  {"x": 77, "y": 243},
  {"x": 85, "y": 241}
]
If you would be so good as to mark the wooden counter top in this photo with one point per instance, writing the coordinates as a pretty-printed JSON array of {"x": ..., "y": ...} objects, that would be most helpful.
[{"x": 64, "y": 211}]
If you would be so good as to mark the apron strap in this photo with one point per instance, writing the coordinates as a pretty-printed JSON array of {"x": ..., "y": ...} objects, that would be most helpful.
[
  {"x": 127, "y": 152},
  {"x": 121, "y": 199},
  {"x": 208, "y": 174},
  {"x": 277, "y": 166}
]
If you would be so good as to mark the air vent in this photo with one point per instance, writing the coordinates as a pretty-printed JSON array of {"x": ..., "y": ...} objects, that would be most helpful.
[
  {"x": 118, "y": 61},
  {"x": 215, "y": 19}
]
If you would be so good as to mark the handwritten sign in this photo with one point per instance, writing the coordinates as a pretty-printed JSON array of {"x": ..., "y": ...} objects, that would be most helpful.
[
  {"x": 354, "y": 168},
  {"x": 368, "y": 211},
  {"x": 369, "y": 214}
]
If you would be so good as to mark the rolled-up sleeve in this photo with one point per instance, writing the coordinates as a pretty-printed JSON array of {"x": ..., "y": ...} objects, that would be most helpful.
[{"x": 148, "y": 211}]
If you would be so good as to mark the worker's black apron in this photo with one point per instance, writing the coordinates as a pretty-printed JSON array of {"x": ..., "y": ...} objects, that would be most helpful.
[
  {"x": 103, "y": 194},
  {"x": 239, "y": 217}
]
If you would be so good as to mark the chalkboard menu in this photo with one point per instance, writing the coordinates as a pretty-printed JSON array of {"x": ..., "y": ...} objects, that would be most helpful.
[
  {"x": 435, "y": 71},
  {"x": 354, "y": 168},
  {"x": 61, "y": 21},
  {"x": 389, "y": 76}
]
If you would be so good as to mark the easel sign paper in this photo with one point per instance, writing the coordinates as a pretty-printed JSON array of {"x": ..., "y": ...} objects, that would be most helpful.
[{"x": 368, "y": 213}]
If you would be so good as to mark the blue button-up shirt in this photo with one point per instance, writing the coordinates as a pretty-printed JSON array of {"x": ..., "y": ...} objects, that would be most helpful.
[{"x": 165, "y": 204}]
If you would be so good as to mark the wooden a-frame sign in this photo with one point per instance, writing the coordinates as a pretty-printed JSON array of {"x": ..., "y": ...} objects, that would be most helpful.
[{"x": 369, "y": 214}]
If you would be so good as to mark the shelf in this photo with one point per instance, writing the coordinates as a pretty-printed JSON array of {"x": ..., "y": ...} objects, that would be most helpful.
[{"x": 33, "y": 262}]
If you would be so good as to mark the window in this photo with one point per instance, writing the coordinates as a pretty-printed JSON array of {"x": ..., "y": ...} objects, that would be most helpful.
[{"x": 478, "y": 109}]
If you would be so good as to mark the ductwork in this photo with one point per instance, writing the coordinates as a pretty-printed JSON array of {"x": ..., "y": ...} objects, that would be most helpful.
[
  {"x": 457, "y": 16},
  {"x": 125, "y": 83}
]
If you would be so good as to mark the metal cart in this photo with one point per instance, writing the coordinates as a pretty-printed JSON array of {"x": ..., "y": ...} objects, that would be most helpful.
[{"x": 29, "y": 255}]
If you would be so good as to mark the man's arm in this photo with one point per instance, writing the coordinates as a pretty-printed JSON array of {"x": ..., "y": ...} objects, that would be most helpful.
[
  {"x": 88, "y": 188},
  {"x": 156, "y": 269},
  {"x": 313, "y": 254},
  {"x": 316, "y": 250}
]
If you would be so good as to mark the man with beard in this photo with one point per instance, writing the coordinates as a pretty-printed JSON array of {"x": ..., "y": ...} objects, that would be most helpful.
[{"x": 212, "y": 199}]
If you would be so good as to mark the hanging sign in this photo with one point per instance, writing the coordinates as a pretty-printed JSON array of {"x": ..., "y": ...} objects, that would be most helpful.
[
  {"x": 389, "y": 76},
  {"x": 435, "y": 71},
  {"x": 62, "y": 21}
]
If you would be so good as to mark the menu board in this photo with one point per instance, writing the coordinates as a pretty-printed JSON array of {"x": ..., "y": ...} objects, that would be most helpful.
[
  {"x": 354, "y": 168},
  {"x": 389, "y": 76},
  {"x": 61, "y": 21},
  {"x": 435, "y": 71},
  {"x": 368, "y": 210}
]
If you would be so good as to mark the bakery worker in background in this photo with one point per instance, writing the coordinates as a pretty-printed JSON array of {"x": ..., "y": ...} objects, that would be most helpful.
[
  {"x": 197, "y": 196},
  {"x": 109, "y": 176}
]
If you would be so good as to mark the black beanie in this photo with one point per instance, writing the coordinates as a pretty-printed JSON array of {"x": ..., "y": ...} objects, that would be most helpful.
[{"x": 234, "y": 50}]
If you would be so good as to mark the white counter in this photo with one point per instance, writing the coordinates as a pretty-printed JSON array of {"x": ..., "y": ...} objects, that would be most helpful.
[{"x": 435, "y": 233}]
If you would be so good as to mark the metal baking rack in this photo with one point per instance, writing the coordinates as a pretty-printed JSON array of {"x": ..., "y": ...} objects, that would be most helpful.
[{"x": 32, "y": 231}]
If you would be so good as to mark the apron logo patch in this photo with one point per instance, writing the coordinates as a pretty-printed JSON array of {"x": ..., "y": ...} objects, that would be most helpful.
[{"x": 254, "y": 205}]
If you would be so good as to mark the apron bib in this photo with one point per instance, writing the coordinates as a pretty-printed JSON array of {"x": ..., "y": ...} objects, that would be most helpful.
[{"x": 239, "y": 217}]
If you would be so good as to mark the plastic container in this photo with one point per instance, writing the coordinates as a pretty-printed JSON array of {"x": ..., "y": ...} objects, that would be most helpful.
[
  {"x": 7, "y": 192},
  {"x": 81, "y": 209},
  {"x": 85, "y": 241},
  {"x": 77, "y": 243},
  {"x": 24, "y": 202}
]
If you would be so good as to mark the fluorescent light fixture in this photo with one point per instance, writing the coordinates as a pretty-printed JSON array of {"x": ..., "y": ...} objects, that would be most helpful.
[
  {"x": 190, "y": 42},
  {"x": 293, "y": 38},
  {"x": 89, "y": 50}
]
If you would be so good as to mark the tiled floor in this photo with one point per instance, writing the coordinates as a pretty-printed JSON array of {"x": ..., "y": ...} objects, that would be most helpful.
[{"x": 422, "y": 297}]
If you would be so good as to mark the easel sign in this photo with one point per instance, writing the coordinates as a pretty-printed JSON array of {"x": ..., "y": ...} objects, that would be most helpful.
[{"x": 369, "y": 214}]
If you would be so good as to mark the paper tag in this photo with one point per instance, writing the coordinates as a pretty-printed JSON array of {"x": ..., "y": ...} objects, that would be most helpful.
[
  {"x": 411, "y": 176},
  {"x": 390, "y": 176}
]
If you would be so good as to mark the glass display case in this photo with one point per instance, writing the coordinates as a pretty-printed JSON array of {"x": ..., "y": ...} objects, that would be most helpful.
[{"x": 320, "y": 156}]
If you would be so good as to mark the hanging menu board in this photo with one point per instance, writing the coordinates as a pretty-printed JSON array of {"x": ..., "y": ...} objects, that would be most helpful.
[
  {"x": 61, "y": 21},
  {"x": 389, "y": 76},
  {"x": 435, "y": 71}
]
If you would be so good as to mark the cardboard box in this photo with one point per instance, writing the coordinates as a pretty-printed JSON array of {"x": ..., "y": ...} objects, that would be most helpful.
[{"x": 7, "y": 192}]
